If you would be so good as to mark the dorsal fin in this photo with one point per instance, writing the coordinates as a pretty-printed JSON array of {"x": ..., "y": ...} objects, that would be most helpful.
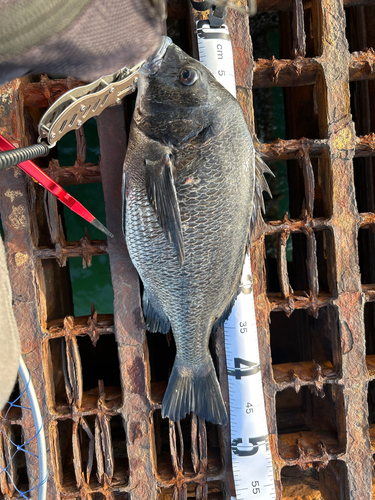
[
  {"x": 260, "y": 185},
  {"x": 162, "y": 195}
]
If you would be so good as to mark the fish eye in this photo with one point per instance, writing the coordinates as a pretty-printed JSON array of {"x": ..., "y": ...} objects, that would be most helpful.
[{"x": 188, "y": 76}]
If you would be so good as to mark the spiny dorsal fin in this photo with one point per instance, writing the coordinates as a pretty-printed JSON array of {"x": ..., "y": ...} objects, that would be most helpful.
[
  {"x": 260, "y": 186},
  {"x": 162, "y": 195}
]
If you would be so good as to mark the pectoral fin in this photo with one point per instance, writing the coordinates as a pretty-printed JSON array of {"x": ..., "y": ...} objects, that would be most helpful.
[{"x": 162, "y": 195}]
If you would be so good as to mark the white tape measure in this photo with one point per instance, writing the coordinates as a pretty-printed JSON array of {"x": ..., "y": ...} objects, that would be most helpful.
[{"x": 251, "y": 454}]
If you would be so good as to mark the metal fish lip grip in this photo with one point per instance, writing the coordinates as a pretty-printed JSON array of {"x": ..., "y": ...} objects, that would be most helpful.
[{"x": 67, "y": 113}]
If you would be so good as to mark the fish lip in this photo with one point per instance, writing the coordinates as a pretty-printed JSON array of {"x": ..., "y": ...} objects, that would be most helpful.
[{"x": 153, "y": 63}]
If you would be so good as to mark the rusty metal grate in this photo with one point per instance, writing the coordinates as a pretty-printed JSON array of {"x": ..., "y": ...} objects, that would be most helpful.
[{"x": 313, "y": 272}]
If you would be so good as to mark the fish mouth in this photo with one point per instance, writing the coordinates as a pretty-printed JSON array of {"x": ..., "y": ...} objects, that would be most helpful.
[{"x": 153, "y": 63}]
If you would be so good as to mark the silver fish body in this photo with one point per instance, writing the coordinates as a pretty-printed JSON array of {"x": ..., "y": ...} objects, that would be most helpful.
[{"x": 190, "y": 174}]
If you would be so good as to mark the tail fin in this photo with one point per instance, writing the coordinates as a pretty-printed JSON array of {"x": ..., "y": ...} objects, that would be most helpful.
[{"x": 195, "y": 391}]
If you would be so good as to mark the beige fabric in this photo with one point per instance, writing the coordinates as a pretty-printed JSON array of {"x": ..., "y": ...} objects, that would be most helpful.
[
  {"x": 106, "y": 36},
  {"x": 9, "y": 338},
  {"x": 25, "y": 23}
]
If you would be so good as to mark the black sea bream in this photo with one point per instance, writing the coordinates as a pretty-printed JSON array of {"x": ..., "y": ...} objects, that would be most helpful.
[{"x": 189, "y": 189}]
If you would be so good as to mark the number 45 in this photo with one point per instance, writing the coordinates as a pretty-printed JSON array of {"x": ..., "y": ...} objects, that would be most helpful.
[{"x": 255, "y": 485}]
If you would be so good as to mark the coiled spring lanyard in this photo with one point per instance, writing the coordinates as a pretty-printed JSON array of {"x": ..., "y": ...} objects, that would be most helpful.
[{"x": 68, "y": 113}]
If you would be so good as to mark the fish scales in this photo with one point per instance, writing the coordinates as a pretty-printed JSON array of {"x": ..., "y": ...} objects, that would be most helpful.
[{"x": 189, "y": 198}]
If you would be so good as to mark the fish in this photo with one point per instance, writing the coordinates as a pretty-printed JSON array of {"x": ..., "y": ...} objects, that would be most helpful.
[{"x": 189, "y": 184}]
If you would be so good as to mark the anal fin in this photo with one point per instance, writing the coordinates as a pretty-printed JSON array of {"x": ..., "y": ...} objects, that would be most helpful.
[{"x": 156, "y": 320}]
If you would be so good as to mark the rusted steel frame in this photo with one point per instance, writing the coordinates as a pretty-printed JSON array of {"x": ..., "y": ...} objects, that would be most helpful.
[
  {"x": 368, "y": 220},
  {"x": 85, "y": 248},
  {"x": 13, "y": 125},
  {"x": 177, "y": 461},
  {"x": 282, "y": 266},
  {"x": 303, "y": 71},
  {"x": 9, "y": 463},
  {"x": 267, "y": 73},
  {"x": 85, "y": 173},
  {"x": 292, "y": 149},
  {"x": 312, "y": 263},
  {"x": 362, "y": 65},
  {"x": 278, "y": 303},
  {"x": 369, "y": 291},
  {"x": 42, "y": 94},
  {"x": 285, "y": 72},
  {"x": 344, "y": 223},
  {"x": 365, "y": 145},
  {"x": 298, "y": 27},
  {"x": 93, "y": 327},
  {"x": 292, "y": 225},
  {"x": 137, "y": 408},
  {"x": 285, "y": 5},
  {"x": 73, "y": 373}
]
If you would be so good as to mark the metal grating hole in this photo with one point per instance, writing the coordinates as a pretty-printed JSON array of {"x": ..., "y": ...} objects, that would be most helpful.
[
  {"x": 86, "y": 147},
  {"x": 212, "y": 490},
  {"x": 97, "y": 496},
  {"x": 84, "y": 455},
  {"x": 314, "y": 257},
  {"x": 119, "y": 495},
  {"x": 91, "y": 285},
  {"x": 297, "y": 268},
  {"x": 269, "y": 113},
  {"x": 322, "y": 184},
  {"x": 310, "y": 425},
  {"x": 371, "y": 411},
  {"x": 15, "y": 411},
  {"x": 320, "y": 481},
  {"x": 364, "y": 182},
  {"x": 64, "y": 456},
  {"x": 15, "y": 460},
  {"x": 305, "y": 347},
  {"x": 75, "y": 227},
  {"x": 55, "y": 355},
  {"x": 362, "y": 103},
  {"x": 54, "y": 291},
  {"x": 164, "y": 466},
  {"x": 325, "y": 264},
  {"x": 120, "y": 454},
  {"x": 366, "y": 251},
  {"x": 334, "y": 481},
  {"x": 39, "y": 229},
  {"x": 80, "y": 373},
  {"x": 177, "y": 30},
  {"x": 100, "y": 363},
  {"x": 194, "y": 441},
  {"x": 161, "y": 354},
  {"x": 369, "y": 317},
  {"x": 359, "y": 27},
  {"x": 304, "y": 106},
  {"x": 264, "y": 31},
  {"x": 279, "y": 203},
  {"x": 296, "y": 258},
  {"x": 300, "y": 483}
]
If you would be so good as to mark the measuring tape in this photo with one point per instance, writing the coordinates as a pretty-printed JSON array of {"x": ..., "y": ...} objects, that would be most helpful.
[{"x": 251, "y": 454}]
